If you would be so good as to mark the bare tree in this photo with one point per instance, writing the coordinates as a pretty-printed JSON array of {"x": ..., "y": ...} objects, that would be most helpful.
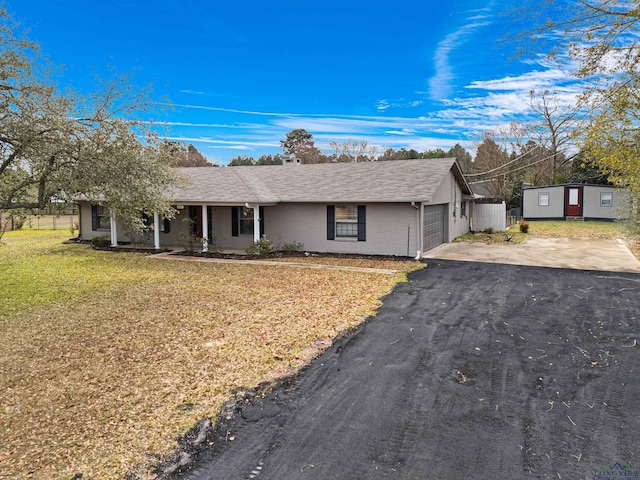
[
  {"x": 353, "y": 151},
  {"x": 554, "y": 131}
]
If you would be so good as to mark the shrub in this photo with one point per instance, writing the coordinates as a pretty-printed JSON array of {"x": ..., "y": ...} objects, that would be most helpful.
[
  {"x": 262, "y": 247},
  {"x": 524, "y": 226},
  {"x": 100, "y": 242},
  {"x": 74, "y": 227},
  {"x": 292, "y": 247},
  {"x": 187, "y": 238},
  {"x": 212, "y": 245}
]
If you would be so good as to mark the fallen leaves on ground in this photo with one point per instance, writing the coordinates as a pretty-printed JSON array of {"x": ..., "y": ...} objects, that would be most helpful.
[{"x": 102, "y": 381}]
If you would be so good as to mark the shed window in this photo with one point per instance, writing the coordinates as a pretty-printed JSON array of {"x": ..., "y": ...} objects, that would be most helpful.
[
  {"x": 463, "y": 209},
  {"x": 606, "y": 199},
  {"x": 543, "y": 199}
]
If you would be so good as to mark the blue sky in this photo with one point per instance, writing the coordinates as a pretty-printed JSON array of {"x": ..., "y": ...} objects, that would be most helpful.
[{"x": 241, "y": 74}]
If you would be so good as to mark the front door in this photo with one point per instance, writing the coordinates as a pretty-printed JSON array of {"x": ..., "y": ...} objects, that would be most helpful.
[{"x": 574, "y": 202}]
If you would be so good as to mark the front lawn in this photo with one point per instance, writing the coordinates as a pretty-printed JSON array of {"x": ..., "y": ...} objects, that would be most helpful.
[
  {"x": 562, "y": 228},
  {"x": 107, "y": 357},
  {"x": 545, "y": 228}
]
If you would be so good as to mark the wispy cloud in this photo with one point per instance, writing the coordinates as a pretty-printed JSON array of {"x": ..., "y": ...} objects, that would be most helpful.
[
  {"x": 206, "y": 125},
  {"x": 403, "y": 132},
  {"x": 479, "y": 106},
  {"x": 441, "y": 84},
  {"x": 528, "y": 81},
  {"x": 188, "y": 91},
  {"x": 225, "y": 143},
  {"x": 385, "y": 104}
]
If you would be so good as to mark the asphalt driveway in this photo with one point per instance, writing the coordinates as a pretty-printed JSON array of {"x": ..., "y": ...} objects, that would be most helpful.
[{"x": 468, "y": 371}]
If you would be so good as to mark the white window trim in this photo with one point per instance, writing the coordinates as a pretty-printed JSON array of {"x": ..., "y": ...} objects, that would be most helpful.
[
  {"x": 542, "y": 195},
  {"x": 610, "y": 195}
]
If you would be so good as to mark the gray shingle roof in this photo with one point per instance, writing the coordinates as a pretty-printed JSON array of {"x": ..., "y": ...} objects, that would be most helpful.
[{"x": 391, "y": 181}]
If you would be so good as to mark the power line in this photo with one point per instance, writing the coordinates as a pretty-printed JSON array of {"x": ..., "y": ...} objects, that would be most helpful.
[
  {"x": 520, "y": 168},
  {"x": 504, "y": 164}
]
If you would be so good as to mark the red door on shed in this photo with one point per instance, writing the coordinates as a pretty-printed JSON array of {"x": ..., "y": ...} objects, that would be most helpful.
[{"x": 574, "y": 200}]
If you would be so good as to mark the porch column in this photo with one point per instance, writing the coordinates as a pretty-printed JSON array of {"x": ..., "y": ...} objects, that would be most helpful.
[
  {"x": 256, "y": 223},
  {"x": 114, "y": 229},
  {"x": 205, "y": 229},
  {"x": 156, "y": 230}
]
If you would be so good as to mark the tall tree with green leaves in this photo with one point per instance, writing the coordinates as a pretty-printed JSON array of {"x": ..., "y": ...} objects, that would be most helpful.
[
  {"x": 435, "y": 153},
  {"x": 182, "y": 155},
  {"x": 464, "y": 158},
  {"x": 242, "y": 161},
  {"x": 269, "y": 159},
  {"x": 60, "y": 144},
  {"x": 494, "y": 167},
  {"x": 299, "y": 144}
]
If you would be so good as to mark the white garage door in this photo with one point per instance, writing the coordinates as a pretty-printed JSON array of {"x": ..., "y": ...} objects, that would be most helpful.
[{"x": 434, "y": 229}]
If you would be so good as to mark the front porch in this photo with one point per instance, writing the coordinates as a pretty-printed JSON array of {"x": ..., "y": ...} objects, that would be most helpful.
[{"x": 225, "y": 228}]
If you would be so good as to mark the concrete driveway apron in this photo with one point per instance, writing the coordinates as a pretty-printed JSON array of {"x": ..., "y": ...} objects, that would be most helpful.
[{"x": 577, "y": 253}]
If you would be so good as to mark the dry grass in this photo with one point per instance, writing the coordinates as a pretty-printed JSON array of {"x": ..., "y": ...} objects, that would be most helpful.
[
  {"x": 544, "y": 228},
  {"x": 118, "y": 355},
  {"x": 557, "y": 228},
  {"x": 511, "y": 236}
]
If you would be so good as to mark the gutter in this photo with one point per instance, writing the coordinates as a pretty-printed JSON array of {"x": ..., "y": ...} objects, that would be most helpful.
[{"x": 419, "y": 230}]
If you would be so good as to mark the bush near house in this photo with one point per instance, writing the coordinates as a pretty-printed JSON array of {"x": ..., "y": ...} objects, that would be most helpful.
[{"x": 261, "y": 248}]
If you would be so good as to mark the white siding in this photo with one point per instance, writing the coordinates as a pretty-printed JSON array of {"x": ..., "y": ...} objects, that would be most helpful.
[
  {"x": 591, "y": 202},
  {"x": 531, "y": 209},
  {"x": 489, "y": 215}
]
